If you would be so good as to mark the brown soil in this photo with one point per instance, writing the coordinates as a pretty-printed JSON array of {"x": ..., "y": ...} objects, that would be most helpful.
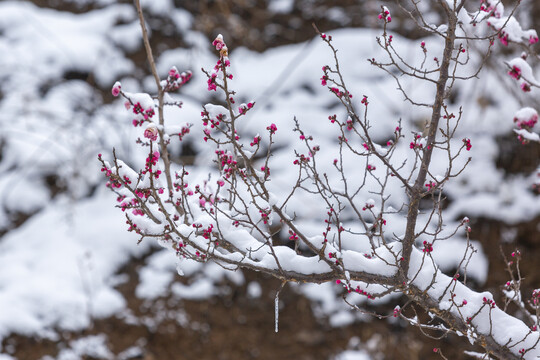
[{"x": 236, "y": 327}]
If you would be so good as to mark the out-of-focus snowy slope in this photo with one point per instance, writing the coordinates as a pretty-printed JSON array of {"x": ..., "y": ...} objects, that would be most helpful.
[{"x": 58, "y": 268}]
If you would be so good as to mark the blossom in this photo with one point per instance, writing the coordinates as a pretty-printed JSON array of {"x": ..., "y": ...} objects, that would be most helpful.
[
  {"x": 174, "y": 72},
  {"x": 526, "y": 118},
  {"x": 515, "y": 72},
  {"x": 503, "y": 38},
  {"x": 222, "y": 48},
  {"x": 467, "y": 143},
  {"x": 218, "y": 42},
  {"x": 116, "y": 89},
  {"x": 525, "y": 87},
  {"x": 385, "y": 14},
  {"x": 151, "y": 132},
  {"x": 272, "y": 128}
]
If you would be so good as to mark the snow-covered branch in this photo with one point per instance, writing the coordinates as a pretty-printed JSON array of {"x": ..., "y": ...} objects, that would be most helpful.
[{"x": 354, "y": 212}]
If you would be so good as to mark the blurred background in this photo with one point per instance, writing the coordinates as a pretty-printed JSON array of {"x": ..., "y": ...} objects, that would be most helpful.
[{"x": 74, "y": 284}]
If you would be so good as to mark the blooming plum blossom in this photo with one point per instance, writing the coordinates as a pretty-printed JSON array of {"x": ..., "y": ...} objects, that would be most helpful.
[
  {"x": 116, "y": 89},
  {"x": 522, "y": 71},
  {"x": 151, "y": 132}
]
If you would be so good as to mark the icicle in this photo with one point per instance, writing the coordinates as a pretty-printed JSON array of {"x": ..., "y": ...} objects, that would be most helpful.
[
  {"x": 276, "y": 308},
  {"x": 277, "y": 311}
]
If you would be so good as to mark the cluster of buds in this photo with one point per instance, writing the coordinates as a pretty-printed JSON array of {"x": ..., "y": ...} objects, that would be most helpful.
[
  {"x": 324, "y": 78},
  {"x": 272, "y": 128},
  {"x": 492, "y": 9},
  {"x": 363, "y": 292},
  {"x": 212, "y": 123},
  {"x": 143, "y": 193},
  {"x": 466, "y": 221},
  {"x": 431, "y": 185},
  {"x": 222, "y": 48},
  {"x": 184, "y": 131},
  {"x": 326, "y": 37},
  {"x": 515, "y": 72},
  {"x": 332, "y": 118},
  {"x": 333, "y": 255},
  {"x": 147, "y": 114},
  {"x": 340, "y": 93},
  {"x": 292, "y": 236},
  {"x": 114, "y": 182},
  {"x": 369, "y": 205},
  {"x": 129, "y": 204},
  {"x": 301, "y": 159},
  {"x": 205, "y": 199},
  {"x": 467, "y": 143},
  {"x": 133, "y": 227},
  {"x": 265, "y": 215},
  {"x": 227, "y": 164},
  {"x": 256, "y": 140},
  {"x": 489, "y": 302},
  {"x": 152, "y": 160},
  {"x": 385, "y": 14},
  {"x": 503, "y": 37},
  {"x": 266, "y": 171},
  {"x": 243, "y": 109},
  {"x": 207, "y": 233},
  {"x": 221, "y": 64},
  {"x": 428, "y": 247},
  {"x": 526, "y": 118},
  {"x": 175, "y": 80},
  {"x": 416, "y": 144}
]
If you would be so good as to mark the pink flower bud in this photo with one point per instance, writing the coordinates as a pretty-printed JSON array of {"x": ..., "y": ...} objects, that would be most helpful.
[
  {"x": 116, "y": 89},
  {"x": 151, "y": 132}
]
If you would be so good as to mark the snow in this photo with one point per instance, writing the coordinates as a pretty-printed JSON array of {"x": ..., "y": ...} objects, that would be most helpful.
[
  {"x": 353, "y": 355},
  {"x": 254, "y": 290},
  {"x": 281, "y": 6},
  {"x": 63, "y": 280},
  {"x": 199, "y": 290},
  {"x": 527, "y": 135},
  {"x": 94, "y": 346},
  {"x": 156, "y": 276}
]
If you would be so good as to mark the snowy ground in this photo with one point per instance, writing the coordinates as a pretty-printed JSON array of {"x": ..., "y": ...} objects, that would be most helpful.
[{"x": 57, "y": 270}]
